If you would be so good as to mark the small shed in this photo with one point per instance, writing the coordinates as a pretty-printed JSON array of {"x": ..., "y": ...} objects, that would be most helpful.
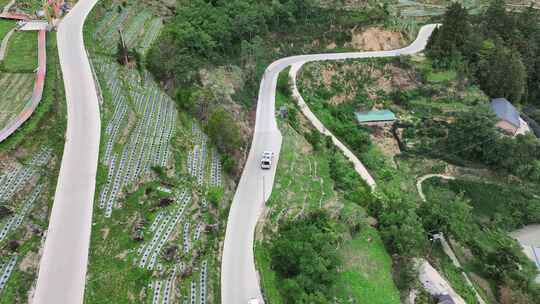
[
  {"x": 375, "y": 117},
  {"x": 509, "y": 120}
]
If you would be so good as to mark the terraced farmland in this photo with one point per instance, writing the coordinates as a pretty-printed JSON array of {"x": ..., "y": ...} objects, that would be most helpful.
[
  {"x": 142, "y": 123},
  {"x": 16, "y": 92},
  {"x": 23, "y": 218},
  {"x": 138, "y": 26},
  {"x": 172, "y": 215},
  {"x": 160, "y": 191}
]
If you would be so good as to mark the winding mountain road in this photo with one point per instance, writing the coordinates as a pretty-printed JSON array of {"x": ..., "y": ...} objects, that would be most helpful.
[
  {"x": 239, "y": 278},
  {"x": 62, "y": 272}
]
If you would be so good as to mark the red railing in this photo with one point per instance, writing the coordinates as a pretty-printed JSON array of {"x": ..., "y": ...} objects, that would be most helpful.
[{"x": 15, "y": 16}]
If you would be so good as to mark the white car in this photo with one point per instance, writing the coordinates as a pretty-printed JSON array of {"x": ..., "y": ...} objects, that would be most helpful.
[
  {"x": 266, "y": 161},
  {"x": 254, "y": 301}
]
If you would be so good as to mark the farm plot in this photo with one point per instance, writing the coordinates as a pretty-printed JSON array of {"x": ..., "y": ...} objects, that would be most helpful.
[
  {"x": 22, "y": 53},
  {"x": 27, "y": 6},
  {"x": 138, "y": 26},
  {"x": 419, "y": 9},
  {"x": 16, "y": 92},
  {"x": 181, "y": 227},
  {"x": 175, "y": 224},
  {"x": 141, "y": 127},
  {"x": 202, "y": 165},
  {"x": 21, "y": 189},
  {"x": 154, "y": 225}
]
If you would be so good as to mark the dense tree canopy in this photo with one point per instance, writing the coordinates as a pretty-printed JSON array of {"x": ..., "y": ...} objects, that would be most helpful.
[
  {"x": 501, "y": 72},
  {"x": 500, "y": 48},
  {"x": 202, "y": 32},
  {"x": 304, "y": 254},
  {"x": 452, "y": 217}
]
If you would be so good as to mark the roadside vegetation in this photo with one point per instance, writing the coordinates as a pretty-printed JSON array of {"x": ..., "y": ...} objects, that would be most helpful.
[
  {"x": 5, "y": 27},
  {"x": 30, "y": 161}
]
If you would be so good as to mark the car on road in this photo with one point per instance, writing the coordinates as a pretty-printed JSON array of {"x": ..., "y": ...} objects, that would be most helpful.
[
  {"x": 254, "y": 301},
  {"x": 266, "y": 160}
]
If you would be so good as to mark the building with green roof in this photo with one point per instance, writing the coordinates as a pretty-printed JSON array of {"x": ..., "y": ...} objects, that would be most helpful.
[{"x": 375, "y": 117}]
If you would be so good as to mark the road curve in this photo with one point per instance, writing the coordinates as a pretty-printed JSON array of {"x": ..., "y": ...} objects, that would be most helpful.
[
  {"x": 62, "y": 271},
  {"x": 239, "y": 279},
  {"x": 428, "y": 176}
]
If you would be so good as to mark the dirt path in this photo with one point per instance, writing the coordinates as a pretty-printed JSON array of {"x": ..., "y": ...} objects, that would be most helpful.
[{"x": 423, "y": 178}]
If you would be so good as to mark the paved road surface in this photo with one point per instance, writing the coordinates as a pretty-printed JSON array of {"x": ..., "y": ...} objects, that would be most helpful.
[
  {"x": 239, "y": 280},
  {"x": 62, "y": 272}
]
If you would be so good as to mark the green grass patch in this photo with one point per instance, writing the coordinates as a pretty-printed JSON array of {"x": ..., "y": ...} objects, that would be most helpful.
[
  {"x": 22, "y": 53},
  {"x": 5, "y": 26},
  {"x": 366, "y": 276},
  {"x": 441, "y": 76},
  {"x": 17, "y": 91}
]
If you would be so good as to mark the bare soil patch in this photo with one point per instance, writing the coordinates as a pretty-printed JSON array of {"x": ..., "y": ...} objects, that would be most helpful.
[
  {"x": 376, "y": 39},
  {"x": 383, "y": 138},
  {"x": 29, "y": 262}
]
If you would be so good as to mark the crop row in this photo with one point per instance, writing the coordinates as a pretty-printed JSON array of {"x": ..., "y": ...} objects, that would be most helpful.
[
  {"x": 16, "y": 220},
  {"x": 202, "y": 282},
  {"x": 165, "y": 299},
  {"x": 147, "y": 143},
  {"x": 165, "y": 224},
  {"x": 14, "y": 180},
  {"x": 215, "y": 170},
  {"x": 197, "y": 159},
  {"x": 139, "y": 28},
  {"x": 6, "y": 270}
]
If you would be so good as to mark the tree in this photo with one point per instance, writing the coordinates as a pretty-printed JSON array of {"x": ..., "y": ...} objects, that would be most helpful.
[
  {"x": 452, "y": 217},
  {"x": 304, "y": 256},
  {"x": 399, "y": 224},
  {"x": 472, "y": 134},
  {"x": 502, "y": 73},
  {"x": 224, "y": 131},
  {"x": 497, "y": 21},
  {"x": 447, "y": 43}
]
